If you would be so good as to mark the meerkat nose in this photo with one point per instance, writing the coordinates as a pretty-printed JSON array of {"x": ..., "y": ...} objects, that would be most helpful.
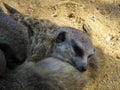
[{"x": 83, "y": 68}]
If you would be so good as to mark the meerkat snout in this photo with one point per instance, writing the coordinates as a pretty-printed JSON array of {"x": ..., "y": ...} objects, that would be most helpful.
[{"x": 83, "y": 67}]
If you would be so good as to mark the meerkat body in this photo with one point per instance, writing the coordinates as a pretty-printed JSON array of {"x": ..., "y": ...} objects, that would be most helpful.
[
  {"x": 13, "y": 40},
  {"x": 48, "y": 74}
]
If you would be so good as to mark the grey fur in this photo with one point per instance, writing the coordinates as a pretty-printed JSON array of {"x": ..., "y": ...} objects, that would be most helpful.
[{"x": 68, "y": 51}]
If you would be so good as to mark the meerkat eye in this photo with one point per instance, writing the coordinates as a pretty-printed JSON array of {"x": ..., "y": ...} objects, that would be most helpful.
[
  {"x": 61, "y": 37},
  {"x": 90, "y": 56}
]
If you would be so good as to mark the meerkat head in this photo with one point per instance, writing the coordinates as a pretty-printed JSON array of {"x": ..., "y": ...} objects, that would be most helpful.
[{"x": 72, "y": 46}]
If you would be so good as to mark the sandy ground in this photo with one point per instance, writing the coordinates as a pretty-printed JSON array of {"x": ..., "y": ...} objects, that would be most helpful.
[{"x": 101, "y": 19}]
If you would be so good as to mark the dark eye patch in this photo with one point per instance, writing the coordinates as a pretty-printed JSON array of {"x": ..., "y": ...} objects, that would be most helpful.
[
  {"x": 78, "y": 50},
  {"x": 61, "y": 37}
]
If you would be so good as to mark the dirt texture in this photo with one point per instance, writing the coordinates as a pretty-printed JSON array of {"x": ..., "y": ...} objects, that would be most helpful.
[{"x": 99, "y": 18}]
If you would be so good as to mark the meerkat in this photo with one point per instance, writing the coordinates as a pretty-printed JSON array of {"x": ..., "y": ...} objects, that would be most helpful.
[
  {"x": 47, "y": 39},
  {"x": 56, "y": 56},
  {"x": 48, "y": 74},
  {"x": 13, "y": 40}
]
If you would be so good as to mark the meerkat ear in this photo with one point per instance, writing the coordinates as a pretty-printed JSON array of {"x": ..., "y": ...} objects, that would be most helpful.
[
  {"x": 61, "y": 37},
  {"x": 13, "y": 12}
]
